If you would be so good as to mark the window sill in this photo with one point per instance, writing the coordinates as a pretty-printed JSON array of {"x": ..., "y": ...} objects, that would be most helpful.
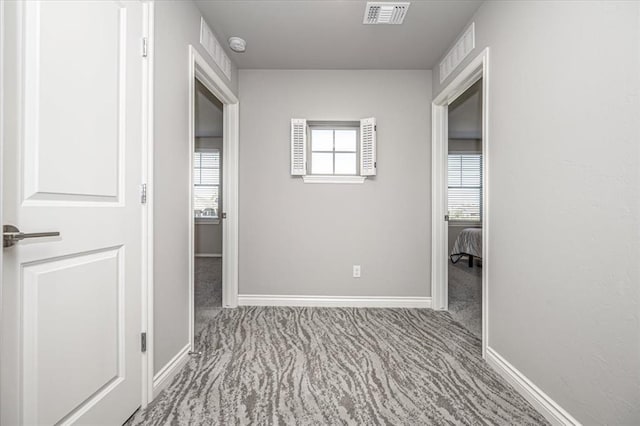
[
  {"x": 206, "y": 221},
  {"x": 333, "y": 179}
]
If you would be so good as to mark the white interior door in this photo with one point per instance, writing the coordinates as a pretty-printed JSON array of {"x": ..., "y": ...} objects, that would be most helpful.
[{"x": 71, "y": 318}]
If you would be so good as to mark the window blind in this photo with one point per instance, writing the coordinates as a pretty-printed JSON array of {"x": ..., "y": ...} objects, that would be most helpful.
[
  {"x": 206, "y": 183},
  {"x": 465, "y": 187}
]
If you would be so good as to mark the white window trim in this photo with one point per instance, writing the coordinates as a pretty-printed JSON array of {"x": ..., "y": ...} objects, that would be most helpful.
[
  {"x": 333, "y": 179},
  {"x": 300, "y": 150},
  {"x": 337, "y": 125},
  {"x": 207, "y": 221}
]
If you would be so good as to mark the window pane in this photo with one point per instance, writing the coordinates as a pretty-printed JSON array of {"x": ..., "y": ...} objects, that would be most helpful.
[
  {"x": 346, "y": 164},
  {"x": 464, "y": 203},
  {"x": 321, "y": 140},
  {"x": 465, "y": 187},
  {"x": 205, "y": 201},
  {"x": 471, "y": 165},
  {"x": 209, "y": 177},
  {"x": 346, "y": 140},
  {"x": 206, "y": 179},
  {"x": 455, "y": 170},
  {"x": 321, "y": 163}
]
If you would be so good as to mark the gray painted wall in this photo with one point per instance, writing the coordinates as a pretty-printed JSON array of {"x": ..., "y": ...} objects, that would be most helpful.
[
  {"x": 302, "y": 239},
  {"x": 177, "y": 24},
  {"x": 465, "y": 114},
  {"x": 565, "y": 211}
]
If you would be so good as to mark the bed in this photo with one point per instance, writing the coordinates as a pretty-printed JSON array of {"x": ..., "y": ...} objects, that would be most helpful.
[{"x": 468, "y": 243}]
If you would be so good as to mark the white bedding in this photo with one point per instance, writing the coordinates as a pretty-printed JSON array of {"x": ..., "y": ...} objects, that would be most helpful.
[{"x": 469, "y": 241}]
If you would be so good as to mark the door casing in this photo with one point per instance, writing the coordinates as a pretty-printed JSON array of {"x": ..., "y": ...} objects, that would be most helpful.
[
  {"x": 199, "y": 69},
  {"x": 476, "y": 69}
]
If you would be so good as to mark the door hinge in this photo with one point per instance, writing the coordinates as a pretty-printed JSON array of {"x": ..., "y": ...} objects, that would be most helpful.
[
  {"x": 446, "y": 218},
  {"x": 143, "y": 193},
  {"x": 145, "y": 47},
  {"x": 143, "y": 342}
]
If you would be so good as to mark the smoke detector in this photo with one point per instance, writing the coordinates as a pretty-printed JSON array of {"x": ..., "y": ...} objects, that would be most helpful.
[
  {"x": 237, "y": 44},
  {"x": 378, "y": 12}
]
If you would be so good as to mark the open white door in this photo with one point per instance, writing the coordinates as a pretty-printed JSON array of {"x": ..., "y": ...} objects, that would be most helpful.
[{"x": 71, "y": 319}]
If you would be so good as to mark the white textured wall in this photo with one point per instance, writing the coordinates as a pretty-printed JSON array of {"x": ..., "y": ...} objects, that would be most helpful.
[
  {"x": 564, "y": 199},
  {"x": 302, "y": 239},
  {"x": 177, "y": 24}
]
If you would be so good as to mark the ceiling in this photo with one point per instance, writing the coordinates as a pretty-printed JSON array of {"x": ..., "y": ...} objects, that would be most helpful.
[{"x": 329, "y": 34}]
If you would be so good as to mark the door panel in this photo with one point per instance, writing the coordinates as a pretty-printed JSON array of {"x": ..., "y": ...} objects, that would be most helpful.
[
  {"x": 71, "y": 306},
  {"x": 60, "y": 65},
  {"x": 59, "y": 315}
]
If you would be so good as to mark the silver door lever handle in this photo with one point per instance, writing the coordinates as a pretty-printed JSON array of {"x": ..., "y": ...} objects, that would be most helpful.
[{"x": 11, "y": 235}]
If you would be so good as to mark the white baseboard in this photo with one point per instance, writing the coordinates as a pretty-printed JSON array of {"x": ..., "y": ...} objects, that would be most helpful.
[
  {"x": 208, "y": 254},
  {"x": 163, "y": 378},
  {"x": 334, "y": 301},
  {"x": 555, "y": 414}
]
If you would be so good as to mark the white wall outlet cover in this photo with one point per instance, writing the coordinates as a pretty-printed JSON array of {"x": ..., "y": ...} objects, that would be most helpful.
[{"x": 356, "y": 271}]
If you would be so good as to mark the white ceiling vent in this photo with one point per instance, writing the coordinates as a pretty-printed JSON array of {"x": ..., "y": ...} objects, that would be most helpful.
[
  {"x": 465, "y": 44},
  {"x": 378, "y": 12},
  {"x": 214, "y": 48}
]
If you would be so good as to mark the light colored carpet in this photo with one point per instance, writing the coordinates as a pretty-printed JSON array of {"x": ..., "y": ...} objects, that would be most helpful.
[
  {"x": 465, "y": 295},
  {"x": 330, "y": 366}
]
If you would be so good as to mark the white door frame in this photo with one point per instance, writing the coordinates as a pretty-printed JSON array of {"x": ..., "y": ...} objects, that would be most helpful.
[
  {"x": 147, "y": 210},
  {"x": 198, "y": 68},
  {"x": 477, "y": 69}
]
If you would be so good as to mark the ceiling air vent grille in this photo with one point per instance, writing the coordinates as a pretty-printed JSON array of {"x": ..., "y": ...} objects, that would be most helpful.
[
  {"x": 385, "y": 12},
  {"x": 214, "y": 48},
  {"x": 465, "y": 44}
]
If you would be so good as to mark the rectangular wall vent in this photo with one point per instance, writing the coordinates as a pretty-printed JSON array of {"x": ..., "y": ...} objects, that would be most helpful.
[
  {"x": 378, "y": 12},
  {"x": 211, "y": 45},
  {"x": 465, "y": 44}
]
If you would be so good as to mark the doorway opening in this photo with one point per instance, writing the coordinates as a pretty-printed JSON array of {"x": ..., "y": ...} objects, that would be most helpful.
[
  {"x": 464, "y": 200},
  {"x": 213, "y": 138},
  {"x": 208, "y": 203},
  {"x": 460, "y": 210},
  {"x": 201, "y": 73}
]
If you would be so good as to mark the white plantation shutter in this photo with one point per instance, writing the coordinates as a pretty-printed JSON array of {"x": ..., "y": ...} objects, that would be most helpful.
[
  {"x": 368, "y": 147},
  {"x": 298, "y": 146}
]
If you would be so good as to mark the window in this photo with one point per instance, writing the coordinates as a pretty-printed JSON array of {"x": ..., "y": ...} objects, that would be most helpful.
[
  {"x": 334, "y": 150},
  {"x": 465, "y": 187},
  {"x": 206, "y": 183}
]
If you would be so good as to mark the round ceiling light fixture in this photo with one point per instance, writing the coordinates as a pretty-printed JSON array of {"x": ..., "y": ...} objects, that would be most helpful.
[{"x": 237, "y": 44}]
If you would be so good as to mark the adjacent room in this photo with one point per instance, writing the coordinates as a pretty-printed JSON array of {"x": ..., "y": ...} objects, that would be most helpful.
[
  {"x": 320, "y": 212},
  {"x": 464, "y": 200},
  {"x": 207, "y": 204}
]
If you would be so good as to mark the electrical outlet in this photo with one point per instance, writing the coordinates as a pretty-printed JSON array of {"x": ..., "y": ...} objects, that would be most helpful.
[{"x": 356, "y": 271}]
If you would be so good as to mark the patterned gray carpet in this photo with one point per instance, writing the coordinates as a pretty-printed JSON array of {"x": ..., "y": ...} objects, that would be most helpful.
[
  {"x": 329, "y": 366},
  {"x": 207, "y": 289},
  {"x": 465, "y": 295}
]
